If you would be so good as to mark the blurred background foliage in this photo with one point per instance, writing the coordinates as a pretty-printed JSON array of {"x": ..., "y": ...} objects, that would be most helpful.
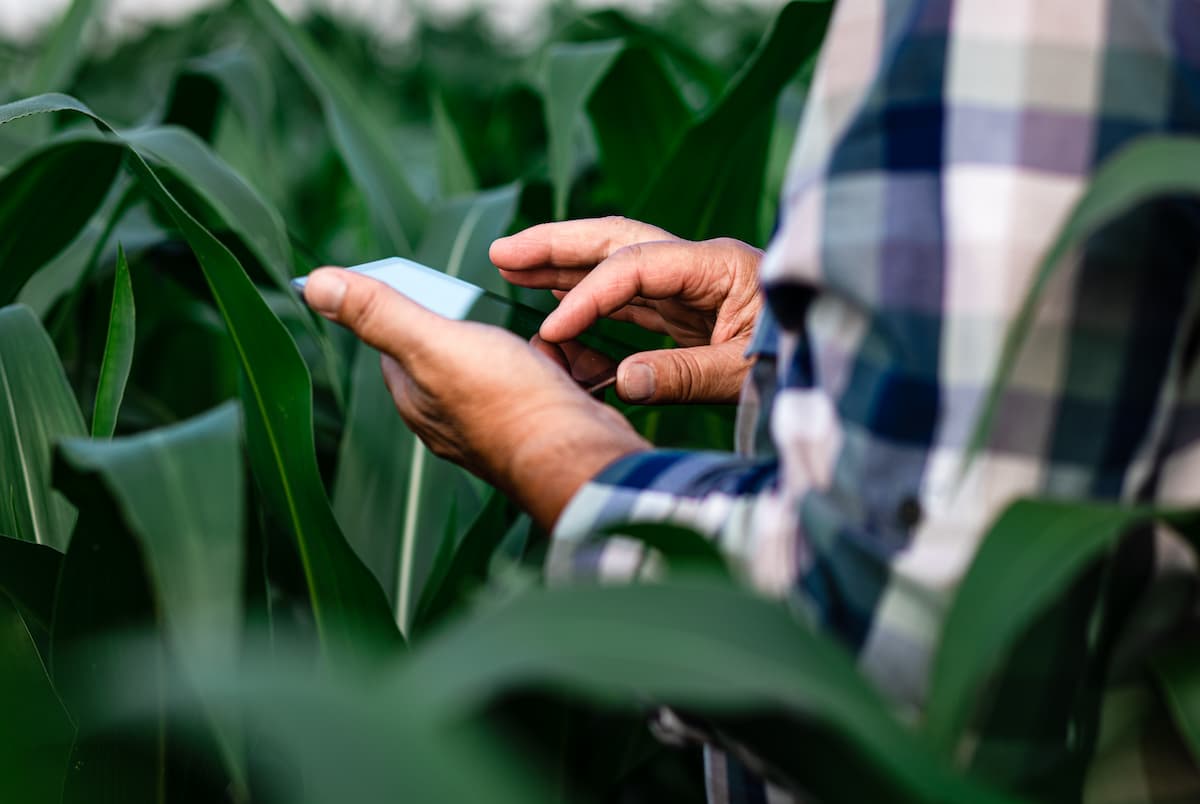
[{"x": 229, "y": 573}]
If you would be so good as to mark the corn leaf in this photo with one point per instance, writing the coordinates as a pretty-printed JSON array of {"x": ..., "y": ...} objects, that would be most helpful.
[
  {"x": 636, "y": 87},
  {"x": 96, "y": 243},
  {"x": 103, "y": 588},
  {"x": 397, "y": 213},
  {"x": 1028, "y": 559},
  {"x": 37, "y": 408},
  {"x": 711, "y": 650},
  {"x": 455, "y": 174},
  {"x": 179, "y": 490},
  {"x": 1178, "y": 675},
  {"x": 118, "y": 353},
  {"x": 238, "y": 204},
  {"x": 732, "y": 140},
  {"x": 46, "y": 200},
  {"x": 572, "y": 73},
  {"x": 381, "y": 754},
  {"x": 178, "y": 494},
  {"x": 461, "y": 565}
]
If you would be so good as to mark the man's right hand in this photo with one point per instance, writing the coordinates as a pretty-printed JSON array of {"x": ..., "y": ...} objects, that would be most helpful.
[{"x": 704, "y": 295}]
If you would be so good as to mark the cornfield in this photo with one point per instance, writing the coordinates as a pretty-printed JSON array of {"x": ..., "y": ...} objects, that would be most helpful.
[{"x": 229, "y": 573}]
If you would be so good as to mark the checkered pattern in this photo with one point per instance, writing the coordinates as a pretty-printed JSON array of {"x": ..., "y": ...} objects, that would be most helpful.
[{"x": 944, "y": 144}]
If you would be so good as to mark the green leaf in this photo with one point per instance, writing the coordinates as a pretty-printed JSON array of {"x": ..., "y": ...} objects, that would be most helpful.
[
  {"x": 1178, "y": 675},
  {"x": 103, "y": 590},
  {"x": 96, "y": 243},
  {"x": 45, "y": 201},
  {"x": 239, "y": 205},
  {"x": 397, "y": 213},
  {"x": 241, "y": 75},
  {"x": 245, "y": 78},
  {"x": 1150, "y": 167},
  {"x": 35, "y": 733},
  {"x": 681, "y": 548},
  {"x": 37, "y": 407},
  {"x": 1029, "y": 557},
  {"x": 708, "y": 649},
  {"x": 178, "y": 494},
  {"x": 277, "y": 402},
  {"x": 636, "y": 88},
  {"x": 391, "y": 495},
  {"x": 461, "y": 565},
  {"x": 732, "y": 140},
  {"x": 381, "y": 754},
  {"x": 118, "y": 353},
  {"x": 461, "y": 231},
  {"x": 179, "y": 490},
  {"x": 572, "y": 73},
  {"x": 454, "y": 169}
]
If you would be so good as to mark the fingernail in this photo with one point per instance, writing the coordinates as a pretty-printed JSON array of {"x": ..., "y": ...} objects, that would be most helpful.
[
  {"x": 637, "y": 381},
  {"x": 325, "y": 291}
]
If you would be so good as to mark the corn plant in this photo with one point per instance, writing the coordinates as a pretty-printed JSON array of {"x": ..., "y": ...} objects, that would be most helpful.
[{"x": 227, "y": 570}]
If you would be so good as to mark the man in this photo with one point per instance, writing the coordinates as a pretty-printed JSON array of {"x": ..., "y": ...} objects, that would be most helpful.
[{"x": 943, "y": 146}]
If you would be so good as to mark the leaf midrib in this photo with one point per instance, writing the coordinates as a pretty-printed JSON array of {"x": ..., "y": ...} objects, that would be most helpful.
[{"x": 25, "y": 472}]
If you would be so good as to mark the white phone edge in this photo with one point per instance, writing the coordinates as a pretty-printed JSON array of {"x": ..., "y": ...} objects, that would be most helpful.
[{"x": 445, "y": 295}]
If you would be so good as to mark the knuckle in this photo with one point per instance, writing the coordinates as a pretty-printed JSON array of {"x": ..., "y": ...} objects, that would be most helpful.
[
  {"x": 361, "y": 307},
  {"x": 690, "y": 375},
  {"x": 634, "y": 252}
]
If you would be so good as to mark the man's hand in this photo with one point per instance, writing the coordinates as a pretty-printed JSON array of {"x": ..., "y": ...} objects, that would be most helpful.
[
  {"x": 704, "y": 295},
  {"x": 479, "y": 396}
]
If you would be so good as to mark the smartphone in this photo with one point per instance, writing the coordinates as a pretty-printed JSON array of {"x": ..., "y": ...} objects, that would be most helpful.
[{"x": 456, "y": 298}]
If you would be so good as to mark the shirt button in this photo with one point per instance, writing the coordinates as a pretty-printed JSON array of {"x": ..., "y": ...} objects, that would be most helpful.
[{"x": 908, "y": 514}]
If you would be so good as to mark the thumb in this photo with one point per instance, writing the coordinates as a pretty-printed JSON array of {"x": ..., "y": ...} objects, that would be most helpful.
[
  {"x": 712, "y": 374},
  {"x": 382, "y": 317}
]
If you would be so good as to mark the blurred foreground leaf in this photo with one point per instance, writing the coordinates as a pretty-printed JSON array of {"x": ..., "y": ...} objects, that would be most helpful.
[
  {"x": 711, "y": 650},
  {"x": 35, "y": 733},
  {"x": 175, "y": 495}
]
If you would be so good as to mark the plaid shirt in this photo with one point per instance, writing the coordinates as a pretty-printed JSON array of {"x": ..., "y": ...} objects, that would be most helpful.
[{"x": 943, "y": 146}]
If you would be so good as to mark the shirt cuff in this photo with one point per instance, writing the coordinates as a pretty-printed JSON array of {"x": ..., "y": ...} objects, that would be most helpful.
[{"x": 713, "y": 493}]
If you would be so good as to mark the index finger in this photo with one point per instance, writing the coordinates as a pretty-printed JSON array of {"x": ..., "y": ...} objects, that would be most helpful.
[{"x": 571, "y": 244}]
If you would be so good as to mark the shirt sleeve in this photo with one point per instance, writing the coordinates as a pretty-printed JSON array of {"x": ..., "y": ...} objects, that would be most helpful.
[{"x": 726, "y": 498}]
